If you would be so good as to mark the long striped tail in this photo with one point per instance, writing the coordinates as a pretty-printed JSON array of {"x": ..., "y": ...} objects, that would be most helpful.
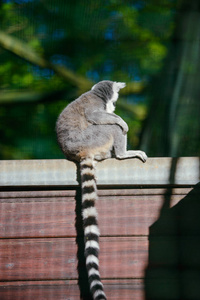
[{"x": 91, "y": 230}]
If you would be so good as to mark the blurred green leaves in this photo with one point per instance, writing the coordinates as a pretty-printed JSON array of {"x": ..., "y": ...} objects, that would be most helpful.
[{"x": 52, "y": 51}]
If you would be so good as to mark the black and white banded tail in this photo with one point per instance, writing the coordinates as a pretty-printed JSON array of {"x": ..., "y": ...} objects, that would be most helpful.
[{"x": 91, "y": 229}]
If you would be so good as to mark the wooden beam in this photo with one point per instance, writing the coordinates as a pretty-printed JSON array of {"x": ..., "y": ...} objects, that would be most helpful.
[
  {"x": 61, "y": 173},
  {"x": 56, "y": 258},
  {"x": 52, "y": 213},
  {"x": 69, "y": 289}
]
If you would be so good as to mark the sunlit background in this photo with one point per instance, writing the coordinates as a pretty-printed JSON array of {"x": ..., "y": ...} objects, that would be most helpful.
[{"x": 53, "y": 51}]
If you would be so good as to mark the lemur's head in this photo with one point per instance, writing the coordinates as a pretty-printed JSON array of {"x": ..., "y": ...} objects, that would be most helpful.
[{"x": 108, "y": 91}]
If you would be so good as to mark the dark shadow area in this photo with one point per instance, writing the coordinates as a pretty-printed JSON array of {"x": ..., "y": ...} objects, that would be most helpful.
[
  {"x": 81, "y": 267},
  {"x": 173, "y": 270}
]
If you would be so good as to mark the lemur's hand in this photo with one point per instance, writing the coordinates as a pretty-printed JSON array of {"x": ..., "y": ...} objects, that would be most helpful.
[{"x": 124, "y": 126}]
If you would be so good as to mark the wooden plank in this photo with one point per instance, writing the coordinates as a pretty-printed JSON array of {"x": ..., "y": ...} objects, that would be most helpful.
[
  {"x": 39, "y": 290},
  {"x": 174, "y": 287},
  {"x": 156, "y": 171},
  {"x": 56, "y": 258},
  {"x": 67, "y": 193},
  {"x": 120, "y": 257},
  {"x": 37, "y": 219},
  {"x": 143, "y": 190},
  {"x": 55, "y": 216},
  {"x": 62, "y": 290}
]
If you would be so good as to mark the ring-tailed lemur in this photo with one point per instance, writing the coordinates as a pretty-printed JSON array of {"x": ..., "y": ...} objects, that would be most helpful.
[{"x": 88, "y": 130}]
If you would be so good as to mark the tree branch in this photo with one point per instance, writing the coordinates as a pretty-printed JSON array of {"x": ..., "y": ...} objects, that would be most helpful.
[{"x": 24, "y": 51}]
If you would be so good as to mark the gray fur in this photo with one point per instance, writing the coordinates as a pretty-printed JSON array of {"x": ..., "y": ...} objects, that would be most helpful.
[{"x": 85, "y": 128}]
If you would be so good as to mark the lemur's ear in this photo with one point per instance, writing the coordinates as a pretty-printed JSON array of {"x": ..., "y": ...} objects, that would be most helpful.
[
  {"x": 93, "y": 87},
  {"x": 118, "y": 86}
]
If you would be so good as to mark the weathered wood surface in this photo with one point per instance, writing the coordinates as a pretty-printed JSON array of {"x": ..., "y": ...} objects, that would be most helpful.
[
  {"x": 156, "y": 171},
  {"x": 68, "y": 289},
  {"x": 149, "y": 231},
  {"x": 55, "y": 258},
  {"x": 52, "y": 213}
]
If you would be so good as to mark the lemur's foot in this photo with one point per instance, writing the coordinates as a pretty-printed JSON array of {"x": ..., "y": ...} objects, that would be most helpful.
[
  {"x": 133, "y": 153},
  {"x": 141, "y": 155}
]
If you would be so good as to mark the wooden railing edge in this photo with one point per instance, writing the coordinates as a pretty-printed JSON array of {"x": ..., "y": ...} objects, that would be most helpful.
[{"x": 62, "y": 173}]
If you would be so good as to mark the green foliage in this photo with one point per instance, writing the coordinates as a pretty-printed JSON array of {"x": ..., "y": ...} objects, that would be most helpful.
[
  {"x": 173, "y": 124},
  {"x": 116, "y": 40}
]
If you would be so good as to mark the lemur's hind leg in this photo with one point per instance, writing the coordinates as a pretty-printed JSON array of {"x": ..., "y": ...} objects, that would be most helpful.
[{"x": 120, "y": 147}]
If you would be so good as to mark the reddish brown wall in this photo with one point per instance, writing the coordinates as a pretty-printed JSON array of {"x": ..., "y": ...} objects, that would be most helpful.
[{"x": 149, "y": 242}]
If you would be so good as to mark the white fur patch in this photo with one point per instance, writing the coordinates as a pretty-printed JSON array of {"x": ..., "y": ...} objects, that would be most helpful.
[
  {"x": 93, "y": 86},
  {"x": 89, "y": 183},
  {"x": 90, "y": 212},
  {"x": 110, "y": 108},
  {"x": 114, "y": 97},
  {"x": 88, "y": 171},
  {"x": 91, "y": 244},
  {"x": 92, "y": 259},
  {"x": 93, "y": 271},
  {"x": 98, "y": 293},
  {"x": 86, "y": 161},
  {"x": 118, "y": 86},
  {"x": 92, "y": 229},
  {"x": 90, "y": 196}
]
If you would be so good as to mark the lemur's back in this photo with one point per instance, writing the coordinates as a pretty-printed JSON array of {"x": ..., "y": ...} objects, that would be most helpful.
[
  {"x": 72, "y": 117},
  {"x": 70, "y": 125},
  {"x": 74, "y": 132}
]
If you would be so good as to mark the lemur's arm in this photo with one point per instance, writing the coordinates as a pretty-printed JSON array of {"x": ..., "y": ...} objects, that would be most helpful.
[{"x": 105, "y": 118}]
